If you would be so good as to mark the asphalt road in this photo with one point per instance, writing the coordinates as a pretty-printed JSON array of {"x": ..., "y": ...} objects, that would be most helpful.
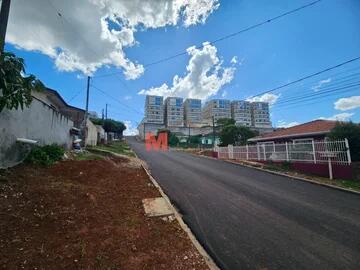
[{"x": 249, "y": 219}]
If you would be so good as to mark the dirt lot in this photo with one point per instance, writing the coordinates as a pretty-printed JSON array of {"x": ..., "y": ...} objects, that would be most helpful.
[{"x": 86, "y": 215}]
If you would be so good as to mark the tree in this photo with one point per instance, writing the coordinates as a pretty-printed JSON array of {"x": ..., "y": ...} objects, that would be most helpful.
[
  {"x": 237, "y": 135},
  {"x": 15, "y": 88},
  {"x": 350, "y": 131},
  {"x": 225, "y": 122},
  {"x": 110, "y": 125}
]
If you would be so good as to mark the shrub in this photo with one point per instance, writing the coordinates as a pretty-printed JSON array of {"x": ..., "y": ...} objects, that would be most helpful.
[{"x": 45, "y": 155}]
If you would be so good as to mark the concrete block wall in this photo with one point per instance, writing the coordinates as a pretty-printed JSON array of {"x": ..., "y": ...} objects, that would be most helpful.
[{"x": 38, "y": 122}]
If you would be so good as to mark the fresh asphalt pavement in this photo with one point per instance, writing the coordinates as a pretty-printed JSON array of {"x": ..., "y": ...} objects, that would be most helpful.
[{"x": 249, "y": 219}]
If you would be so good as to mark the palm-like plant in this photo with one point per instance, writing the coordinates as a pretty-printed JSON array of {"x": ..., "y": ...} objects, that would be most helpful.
[{"x": 15, "y": 86}]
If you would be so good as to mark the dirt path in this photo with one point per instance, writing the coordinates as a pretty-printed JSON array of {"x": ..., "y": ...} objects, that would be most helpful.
[{"x": 86, "y": 215}]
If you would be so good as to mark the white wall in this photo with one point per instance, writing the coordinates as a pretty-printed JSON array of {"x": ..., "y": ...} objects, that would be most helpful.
[{"x": 39, "y": 122}]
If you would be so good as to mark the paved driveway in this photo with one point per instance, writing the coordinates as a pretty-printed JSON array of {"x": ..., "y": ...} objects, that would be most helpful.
[{"x": 248, "y": 219}]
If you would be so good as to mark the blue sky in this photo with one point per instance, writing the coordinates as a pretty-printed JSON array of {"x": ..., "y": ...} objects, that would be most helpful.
[{"x": 302, "y": 43}]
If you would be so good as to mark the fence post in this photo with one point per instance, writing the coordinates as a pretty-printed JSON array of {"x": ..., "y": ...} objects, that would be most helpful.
[
  {"x": 264, "y": 151},
  {"x": 247, "y": 152},
  {"x": 314, "y": 153},
  {"x": 231, "y": 151},
  {"x": 330, "y": 168},
  {"x": 258, "y": 151},
  {"x": 348, "y": 151},
  {"x": 287, "y": 151}
]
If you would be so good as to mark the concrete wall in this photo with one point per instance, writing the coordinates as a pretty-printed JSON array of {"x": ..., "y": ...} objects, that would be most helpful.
[
  {"x": 92, "y": 134},
  {"x": 39, "y": 122}
]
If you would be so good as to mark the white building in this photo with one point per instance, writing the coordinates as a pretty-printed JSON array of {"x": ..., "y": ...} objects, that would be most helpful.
[
  {"x": 217, "y": 109},
  {"x": 260, "y": 115},
  {"x": 174, "y": 112},
  {"x": 241, "y": 112},
  {"x": 154, "y": 110},
  {"x": 192, "y": 112}
]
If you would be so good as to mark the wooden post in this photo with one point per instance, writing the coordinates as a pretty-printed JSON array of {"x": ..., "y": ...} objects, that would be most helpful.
[{"x": 247, "y": 152}]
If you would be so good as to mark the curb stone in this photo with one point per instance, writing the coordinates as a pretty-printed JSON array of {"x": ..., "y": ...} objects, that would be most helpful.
[
  {"x": 284, "y": 174},
  {"x": 208, "y": 260}
]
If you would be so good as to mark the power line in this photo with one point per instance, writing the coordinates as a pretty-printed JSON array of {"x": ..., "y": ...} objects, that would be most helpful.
[
  {"x": 115, "y": 99},
  {"x": 224, "y": 37},
  {"x": 73, "y": 97},
  {"x": 306, "y": 77},
  {"x": 335, "y": 90}
]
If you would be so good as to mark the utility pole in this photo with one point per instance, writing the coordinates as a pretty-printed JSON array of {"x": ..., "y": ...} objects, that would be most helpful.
[
  {"x": 102, "y": 114},
  {"x": 4, "y": 17},
  {"x": 106, "y": 106},
  {"x": 86, "y": 109},
  {"x": 213, "y": 122}
]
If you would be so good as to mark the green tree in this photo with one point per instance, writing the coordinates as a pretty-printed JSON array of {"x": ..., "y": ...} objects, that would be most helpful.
[
  {"x": 15, "y": 87},
  {"x": 225, "y": 122},
  {"x": 350, "y": 131},
  {"x": 236, "y": 135}
]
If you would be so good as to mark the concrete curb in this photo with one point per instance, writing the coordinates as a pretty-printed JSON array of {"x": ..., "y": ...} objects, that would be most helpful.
[
  {"x": 208, "y": 260},
  {"x": 284, "y": 174}
]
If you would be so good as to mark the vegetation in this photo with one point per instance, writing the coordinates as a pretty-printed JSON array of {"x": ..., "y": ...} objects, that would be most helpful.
[
  {"x": 173, "y": 140},
  {"x": 88, "y": 156},
  {"x": 45, "y": 155},
  {"x": 110, "y": 125},
  {"x": 119, "y": 147},
  {"x": 233, "y": 134},
  {"x": 351, "y": 131},
  {"x": 15, "y": 88}
]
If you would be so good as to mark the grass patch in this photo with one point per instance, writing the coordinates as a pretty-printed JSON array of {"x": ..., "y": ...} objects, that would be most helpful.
[
  {"x": 353, "y": 184},
  {"x": 88, "y": 156},
  {"x": 119, "y": 147}
]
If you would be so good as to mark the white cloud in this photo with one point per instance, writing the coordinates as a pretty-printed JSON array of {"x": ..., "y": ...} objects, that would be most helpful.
[
  {"x": 268, "y": 97},
  {"x": 84, "y": 35},
  {"x": 317, "y": 87},
  {"x": 130, "y": 129},
  {"x": 234, "y": 60},
  {"x": 339, "y": 117},
  {"x": 224, "y": 94},
  {"x": 128, "y": 97},
  {"x": 204, "y": 78},
  {"x": 349, "y": 103},
  {"x": 284, "y": 124}
]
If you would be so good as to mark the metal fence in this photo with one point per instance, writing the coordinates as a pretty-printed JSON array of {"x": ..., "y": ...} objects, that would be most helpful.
[{"x": 337, "y": 152}]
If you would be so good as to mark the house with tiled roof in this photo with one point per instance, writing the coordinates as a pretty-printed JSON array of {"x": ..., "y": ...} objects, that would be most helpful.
[{"x": 310, "y": 131}]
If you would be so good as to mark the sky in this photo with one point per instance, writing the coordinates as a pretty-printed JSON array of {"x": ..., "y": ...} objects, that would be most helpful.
[{"x": 119, "y": 43}]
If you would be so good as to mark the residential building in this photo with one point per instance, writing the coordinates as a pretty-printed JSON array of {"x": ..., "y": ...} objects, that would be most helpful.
[
  {"x": 260, "y": 114},
  {"x": 311, "y": 131},
  {"x": 241, "y": 112},
  {"x": 192, "y": 112},
  {"x": 174, "y": 112},
  {"x": 154, "y": 109},
  {"x": 217, "y": 109}
]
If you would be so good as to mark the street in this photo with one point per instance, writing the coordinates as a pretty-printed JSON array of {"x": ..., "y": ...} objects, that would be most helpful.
[{"x": 249, "y": 219}]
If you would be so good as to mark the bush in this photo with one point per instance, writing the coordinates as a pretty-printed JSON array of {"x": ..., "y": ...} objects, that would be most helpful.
[
  {"x": 351, "y": 131},
  {"x": 45, "y": 155}
]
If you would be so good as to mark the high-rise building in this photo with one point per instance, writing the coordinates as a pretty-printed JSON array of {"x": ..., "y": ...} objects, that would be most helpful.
[
  {"x": 174, "y": 112},
  {"x": 260, "y": 115},
  {"x": 154, "y": 110},
  {"x": 217, "y": 109},
  {"x": 241, "y": 112},
  {"x": 192, "y": 112}
]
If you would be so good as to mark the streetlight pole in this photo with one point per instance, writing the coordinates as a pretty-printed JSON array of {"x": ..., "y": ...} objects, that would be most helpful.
[{"x": 4, "y": 18}]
